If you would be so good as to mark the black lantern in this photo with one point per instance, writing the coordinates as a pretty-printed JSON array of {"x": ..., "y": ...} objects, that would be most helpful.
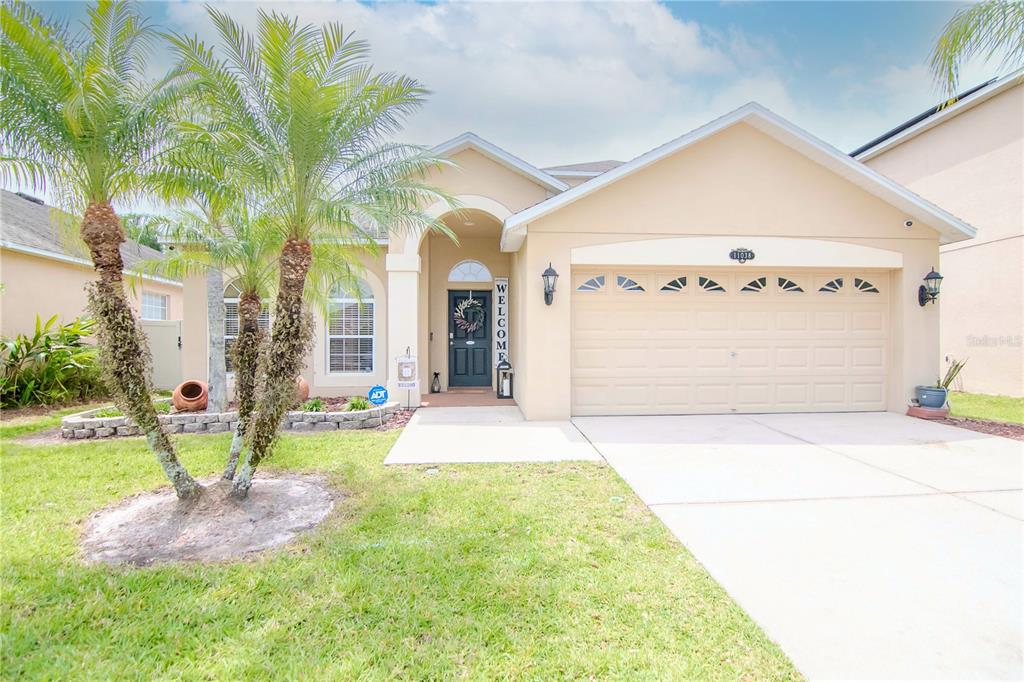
[
  {"x": 504, "y": 379},
  {"x": 929, "y": 291},
  {"x": 550, "y": 277}
]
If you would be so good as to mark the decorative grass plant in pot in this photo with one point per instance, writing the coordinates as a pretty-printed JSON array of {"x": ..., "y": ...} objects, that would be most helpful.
[{"x": 935, "y": 396}]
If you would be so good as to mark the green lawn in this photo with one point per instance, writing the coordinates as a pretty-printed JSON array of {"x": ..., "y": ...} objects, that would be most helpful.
[
  {"x": 979, "y": 406},
  {"x": 477, "y": 571}
]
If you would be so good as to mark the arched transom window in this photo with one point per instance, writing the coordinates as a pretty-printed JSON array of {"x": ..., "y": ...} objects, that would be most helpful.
[
  {"x": 350, "y": 328},
  {"x": 470, "y": 271},
  {"x": 232, "y": 294}
]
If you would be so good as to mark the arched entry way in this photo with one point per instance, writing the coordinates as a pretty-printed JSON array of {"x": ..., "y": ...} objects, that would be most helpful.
[
  {"x": 462, "y": 304},
  {"x": 450, "y": 297}
]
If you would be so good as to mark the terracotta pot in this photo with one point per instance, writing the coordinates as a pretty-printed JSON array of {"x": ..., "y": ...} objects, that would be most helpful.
[
  {"x": 301, "y": 390},
  {"x": 190, "y": 396}
]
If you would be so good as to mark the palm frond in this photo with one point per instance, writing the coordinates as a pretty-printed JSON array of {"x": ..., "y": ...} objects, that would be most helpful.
[{"x": 986, "y": 29}]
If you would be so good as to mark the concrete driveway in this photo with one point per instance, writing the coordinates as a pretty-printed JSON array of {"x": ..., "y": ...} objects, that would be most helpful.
[{"x": 869, "y": 546}]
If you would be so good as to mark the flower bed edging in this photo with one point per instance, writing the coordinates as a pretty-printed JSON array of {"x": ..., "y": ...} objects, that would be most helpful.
[{"x": 84, "y": 425}]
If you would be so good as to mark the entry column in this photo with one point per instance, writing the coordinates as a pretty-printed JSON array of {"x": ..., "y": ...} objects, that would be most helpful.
[{"x": 403, "y": 314}]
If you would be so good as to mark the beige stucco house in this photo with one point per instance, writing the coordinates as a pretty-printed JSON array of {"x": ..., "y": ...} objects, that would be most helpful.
[
  {"x": 746, "y": 266},
  {"x": 42, "y": 276},
  {"x": 969, "y": 158}
]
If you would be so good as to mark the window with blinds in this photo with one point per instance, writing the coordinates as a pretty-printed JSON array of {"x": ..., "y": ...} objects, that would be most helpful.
[{"x": 350, "y": 329}]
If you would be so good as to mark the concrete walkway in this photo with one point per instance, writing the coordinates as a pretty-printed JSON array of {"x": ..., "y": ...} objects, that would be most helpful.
[
  {"x": 486, "y": 434},
  {"x": 869, "y": 546}
]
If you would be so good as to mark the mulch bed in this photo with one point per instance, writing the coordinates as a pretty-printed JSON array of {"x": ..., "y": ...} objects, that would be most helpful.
[
  {"x": 1014, "y": 431},
  {"x": 398, "y": 420},
  {"x": 330, "y": 404}
]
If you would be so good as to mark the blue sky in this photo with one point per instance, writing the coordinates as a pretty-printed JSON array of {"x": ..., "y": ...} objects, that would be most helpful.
[{"x": 571, "y": 81}]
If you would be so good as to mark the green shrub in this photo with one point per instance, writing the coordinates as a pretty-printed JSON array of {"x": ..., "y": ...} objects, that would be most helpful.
[
  {"x": 358, "y": 402},
  {"x": 161, "y": 408},
  {"x": 52, "y": 366},
  {"x": 313, "y": 405},
  {"x": 105, "y": 412}
]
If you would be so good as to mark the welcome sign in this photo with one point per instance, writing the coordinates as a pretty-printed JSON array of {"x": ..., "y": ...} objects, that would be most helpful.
[{"x": 500, "y": 319}]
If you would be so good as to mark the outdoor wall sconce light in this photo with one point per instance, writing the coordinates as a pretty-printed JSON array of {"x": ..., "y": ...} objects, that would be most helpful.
[
  {"x": 929, "y": 291},
  {"x": 549, "y": 277}
]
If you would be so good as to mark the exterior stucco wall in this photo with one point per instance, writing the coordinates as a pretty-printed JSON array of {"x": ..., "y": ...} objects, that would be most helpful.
[
  {"x": 41, "y": 286},
  {"x": 973, "y": 166},
  {"x": 474, "y": 175},
  {"x": 737, "y": 183}
]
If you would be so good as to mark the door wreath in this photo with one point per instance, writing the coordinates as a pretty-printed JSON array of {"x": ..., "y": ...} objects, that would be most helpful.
[{"x": 469, "y": 315}]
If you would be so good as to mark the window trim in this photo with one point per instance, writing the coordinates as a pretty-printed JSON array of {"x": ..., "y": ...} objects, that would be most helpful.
[
  {"x": 367, "y": 298},
  {"x": 467, "y": 261},
  {"x": 165, "y": 301}
]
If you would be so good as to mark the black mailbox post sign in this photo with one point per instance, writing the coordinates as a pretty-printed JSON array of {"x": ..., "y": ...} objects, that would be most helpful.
[{"x": 741, "y": 255}]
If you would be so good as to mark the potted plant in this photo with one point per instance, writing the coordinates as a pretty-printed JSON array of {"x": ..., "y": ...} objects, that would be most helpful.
[{"x": 935, "y": 396}]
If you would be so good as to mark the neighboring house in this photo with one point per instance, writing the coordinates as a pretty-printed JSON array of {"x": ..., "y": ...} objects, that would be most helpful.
[
  {"x": 744, "y": 267},
  {"x": 969, "y": 159},
  {"x": 41, "y": 276}
]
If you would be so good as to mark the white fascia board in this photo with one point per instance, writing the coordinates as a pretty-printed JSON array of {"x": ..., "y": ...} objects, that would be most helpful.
[
  {"x": 950, "y": 227},
  {"x": 496, "y": 153},
  {"x": 64, "y": 258},
  {"x": 574, "y": 173},
  {"x": 1004, "y": 83}
]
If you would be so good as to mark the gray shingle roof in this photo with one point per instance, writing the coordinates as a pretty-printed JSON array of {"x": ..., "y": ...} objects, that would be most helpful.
[
  {"x": 27, "y": 223},
  {"x": 589, "y": 166}
]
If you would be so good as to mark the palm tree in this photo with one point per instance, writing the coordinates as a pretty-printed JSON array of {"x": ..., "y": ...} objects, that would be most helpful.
[
  {"x": 228, "y": 240},
  {"x": 309, "y": 122},
  {"x": 986, "y": 29},
  {"x": 79, "y": 118}
]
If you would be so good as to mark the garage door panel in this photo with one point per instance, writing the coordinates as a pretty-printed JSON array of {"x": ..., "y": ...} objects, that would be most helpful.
[
  {"x": 831, "y": 320},
  {"x": 830, "y": 358},
  {"x": 868, "y": 357},
  {"x": 868, "y": 321},
  {"x": 792, "y": 358},
  {"x": 867, "y": 394},
  {"x": 792, "y": 397},
  {"x": 792, "y": 321},
  {"x": 769, "y": 349}
]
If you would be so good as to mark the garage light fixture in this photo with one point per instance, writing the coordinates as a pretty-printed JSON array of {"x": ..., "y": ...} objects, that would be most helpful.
[
  {"x": 550, "y": 277},
  {"x": 929, "y": 291}
]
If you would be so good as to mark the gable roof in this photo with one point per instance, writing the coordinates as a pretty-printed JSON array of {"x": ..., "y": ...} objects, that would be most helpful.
[
  {"x": 26, "y": 225},
  {"x": 937, "y": 115},
  {"x": 473, "y": 141},
  {"x": 950, "y": 227}
]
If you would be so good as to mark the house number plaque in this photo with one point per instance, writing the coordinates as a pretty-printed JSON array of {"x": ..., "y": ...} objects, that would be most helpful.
[{"x": 741, "y": 255}]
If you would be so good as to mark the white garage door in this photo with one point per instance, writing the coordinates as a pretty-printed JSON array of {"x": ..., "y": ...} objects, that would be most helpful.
[{"x": 692, "y": 341}]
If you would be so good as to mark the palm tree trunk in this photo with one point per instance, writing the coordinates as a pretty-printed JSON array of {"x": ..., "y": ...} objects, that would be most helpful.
[
  {"x": 124, "y": 353},
  {"x": 218, "y": 386},
  {"x": 289, "y": 340},
  {"x": 245, "y": 357}
]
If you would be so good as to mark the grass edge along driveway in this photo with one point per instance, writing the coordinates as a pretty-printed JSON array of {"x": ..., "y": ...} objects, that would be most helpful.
[{"x": 479, "y": 571}]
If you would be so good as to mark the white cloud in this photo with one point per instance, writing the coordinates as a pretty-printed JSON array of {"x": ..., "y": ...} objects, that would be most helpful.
[
  {"x": 562, "y": 82},
  {"x": 552, "y": 82}
]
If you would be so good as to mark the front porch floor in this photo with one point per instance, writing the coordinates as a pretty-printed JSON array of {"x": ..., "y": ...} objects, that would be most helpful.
[{"x": 465, "y": 397}]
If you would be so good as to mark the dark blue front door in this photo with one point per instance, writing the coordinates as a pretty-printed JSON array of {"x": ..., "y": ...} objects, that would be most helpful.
[{"x": 469, "y": 338}]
